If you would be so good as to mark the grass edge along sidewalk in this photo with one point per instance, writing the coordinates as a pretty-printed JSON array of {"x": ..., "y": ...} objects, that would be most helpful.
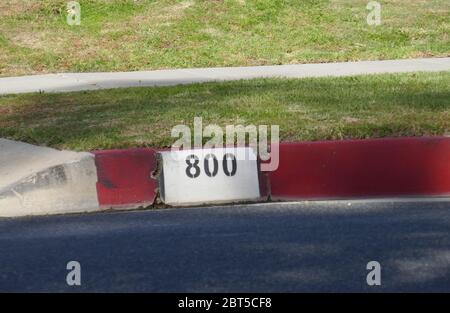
[{"x": 356, "y": 107}]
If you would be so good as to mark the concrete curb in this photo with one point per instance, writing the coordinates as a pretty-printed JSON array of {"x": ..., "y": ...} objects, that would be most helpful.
[
  {"x": 372, "y": 168},
  {"x": 125, "y": 178},
  {"x": 133, "y": 178},
  {"x": 37, "y": 180},
  {"x": 66, "y": 82}
]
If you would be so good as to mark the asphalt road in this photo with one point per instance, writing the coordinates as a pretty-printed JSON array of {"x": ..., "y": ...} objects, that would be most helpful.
[{"x": 279, "y": 247}]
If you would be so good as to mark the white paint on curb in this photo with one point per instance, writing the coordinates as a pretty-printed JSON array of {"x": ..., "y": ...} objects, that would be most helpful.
[
  {"x": 186, "y": 180},
  {"x": 38, "y": 180}
]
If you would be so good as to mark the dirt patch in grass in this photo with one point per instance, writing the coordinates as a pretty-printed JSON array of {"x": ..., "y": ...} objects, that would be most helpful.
[{"x": 10, "y": 8}]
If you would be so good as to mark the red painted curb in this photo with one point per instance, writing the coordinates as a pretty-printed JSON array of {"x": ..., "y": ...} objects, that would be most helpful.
[
  {"x": 362, "y": 168},
  {"x": 346, "y": 169},
  {"x": 124, "y": 177}
]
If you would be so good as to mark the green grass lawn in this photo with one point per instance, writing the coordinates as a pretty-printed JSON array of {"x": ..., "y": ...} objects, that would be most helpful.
[
  {"x": 120, "y": 35},
  {"x": 306, "y": 109}
]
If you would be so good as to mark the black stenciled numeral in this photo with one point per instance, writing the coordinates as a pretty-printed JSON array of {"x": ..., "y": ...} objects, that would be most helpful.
[
  {"x": 192, "y": 162},
  {"x": 233, "y": 164},
  {"x": 215, "y": 165},
  {"x": 192, "y": 165}
]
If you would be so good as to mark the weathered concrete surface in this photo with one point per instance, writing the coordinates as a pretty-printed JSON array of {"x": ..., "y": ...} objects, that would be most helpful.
[
  {"x": 38, "y": 180},
  {"x": 66, "y": 82}
]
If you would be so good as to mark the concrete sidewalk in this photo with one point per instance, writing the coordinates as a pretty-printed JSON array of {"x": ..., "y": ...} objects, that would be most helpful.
[
  {"x": 93, "y": 81},
  {"x": 38, "y": 180}
]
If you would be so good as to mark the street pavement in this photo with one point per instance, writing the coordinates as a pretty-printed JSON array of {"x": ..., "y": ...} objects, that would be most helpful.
[
  {"x": 270, "y": 247},
  {"x": 64, "y": 82}
]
